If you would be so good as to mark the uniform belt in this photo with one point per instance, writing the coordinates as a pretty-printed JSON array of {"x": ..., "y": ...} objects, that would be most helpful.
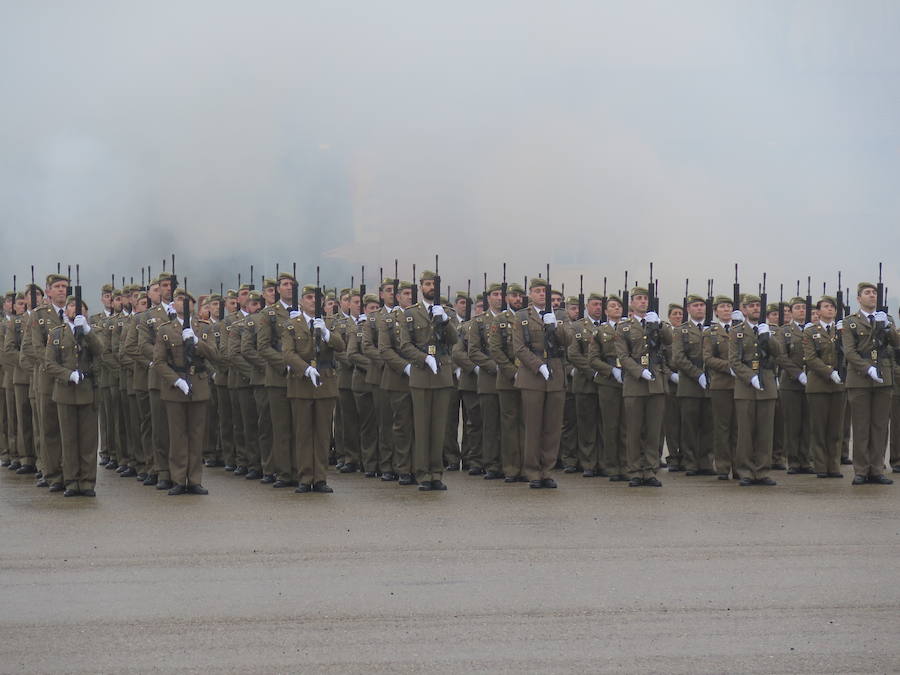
[{"x": 192, "y": 370}]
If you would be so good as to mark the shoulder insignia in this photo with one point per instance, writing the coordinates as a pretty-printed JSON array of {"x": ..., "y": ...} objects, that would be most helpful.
[
  {"x": 578, "y": 335},
  {"x": 852, "y": 325},
  {"x": 816, "y": 335},
  {"x": 740, "y": 335},
  {"x": 41, "y": 322},
  {"x": 217, "y": 334},
  {"x": 56, "y": 342},
  {"x": 524, "y": 322},
  {"x": 249, "y": 323},
  {"x": 625, "y": 329},
  {"x": 408, "y": 319},
  {"x": 684, "y": 330},
  {"x": 290, "y": 326},
  {"x": 389, "y": 320},
  {"x": 165, "y": 337}
]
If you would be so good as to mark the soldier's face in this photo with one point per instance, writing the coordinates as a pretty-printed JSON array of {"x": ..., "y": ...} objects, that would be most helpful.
[
  {"x": 752, "y": 311},
  {"x": 154, "y": 294},
  {"x": 427, "y": 288},
  {"x": 556, "y": 300},
  {"x": 814, "y": 315},
  {"x": 354, "y": 305},
  {"x": 253, "y": 306},
  {"x": 165, "y": 290},
  {"x": 405, "y": 297},
  {"x": 514, "y": 300},
  {"x": 345, "y": 304},
  {"x": 285, "y": 289},
  {"x": 537, "y": 295},
  {"x": 214, "y": 308},
  {"x": 827, "y": 312},
  {"x": 495, "y": 300},
  {"x": 70, "y": 311},
  {"x": 478, "y": 309},
  {"x": 868, "y": 298},
  {"x": 57, "y": 292},
  {"x": 106, "y": 299},
  {"x": 723, "y": 311},
  {"x": 231, "y": 305},
  {"x": 242, "y": 298},
  {"x": 594, "y": 308},
  {"x": 639, "y": 303},
  {"x": 308, "y": 303},
  {"x": 7, "y": 305},
  {"x": 676, "y": 316},
  {"x": 269, "y": 294},
  {"x": 772, "y": 317},
  {"x": 460, "y": 307},
  {"x": 613, "y": 310},
  {"x": 21, "y": 306},
  {"x": 697, "y": 310},
  {"x": 117, "y": 303},
  {"x": 387, "y": 294},
  {"x": 329, "y": 306},
  {"x": 572, "y": 311},
  {"x": 798, "y": 311},
  {"x": 371, "y": 307},
  {"x": 140, "y": 305}
]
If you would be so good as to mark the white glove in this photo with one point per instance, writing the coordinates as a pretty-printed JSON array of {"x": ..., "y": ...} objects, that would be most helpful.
[
  {"x": 457, "y": 371},
  {"x": 737, "y": 315},
  {"x": 214, "y": 377},
  {"x": 617, "y": 374},
  {"x": 545, "y": 371},
  {"x": 674, "y": 378},
  {"x": 438, "y": 311},
  {"x": 731, "y": 372},
  {"x": 183, "y": 386},
  {"x": 82, "y": 322},
  {"x": 287, "y": 370},
  {"x": 431, "y": 362},
  {"x": 807, "y": 325},
  {"x": 550, "y": 319},
  {"x": 651, "y": 317},
  {"x": 406, "y": 369},
  {"x": 873, "y": 373},
  {"x": 572, "y": 372},
  {"x": 702, "y": 381},
  {"x": 295, "y": 313},
  {"x": 361, "y": 319},
  {"x": 839, "y": 325},
  {"x": 755, "y": 382},
  {"x": 75, "y": 377},
  {"x": 762, "y": 328},
  {"x": 835, "y": 377},
  {"x": 881, "y": 316},
  {"x": 188, "y": 334},
  {"x": 803, "y": 379},
  {"x": 646, "y": 375},
  {"x": 320, "y": 324},
  {"x": 313, "y": 375},
  {"x": 477, "y": 370}
]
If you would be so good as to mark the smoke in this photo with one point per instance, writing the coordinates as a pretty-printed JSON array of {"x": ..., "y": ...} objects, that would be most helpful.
[{"x": 594, "y": 136}]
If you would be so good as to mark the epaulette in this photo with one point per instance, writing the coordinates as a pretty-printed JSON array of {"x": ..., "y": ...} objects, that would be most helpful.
[{"x": 250, "y": 322}]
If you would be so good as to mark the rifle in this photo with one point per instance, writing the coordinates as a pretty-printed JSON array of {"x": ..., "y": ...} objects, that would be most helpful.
[
  {"x": 603, "y": 303},
  {"x": 34, "y": 291},
  {"x": 415, "y": 286},
  {"x": 69, "y": 283},
  {"x": 380, "y": 286},
  {"x": 468, "y": 314},
  {"x": 185, "y": 325},
  {"x": 708, "y": 319},
  {"x": 653, "y": 298},
  {"x": 527, "y": 299},
  {"x": 581, "y": 307},
  {"x": 362, "y": 288},
  {"x": 762, "y": 341},
  {"x": 550, "y": 342},
  {"x": 277, "y": 293},
  {"x": 174, "y": 278},
  {"x": 317, "y": 333},
  {"x": 251, "y": 285},
  {"x": 625, "y": 308},
  {"x": 396, "y": 284},
  {"x": 503, "y": 288},
  {"x": 808, "y": 317},
  {"x": 684, "y": 302},
  {"x": 295, "y": 300},
  {"x": 221, "y": 301},
  {"x": 651, "y": 330},
  {"x": 839, "y": 342},
  {"x": 437, "y": 284},
  {"x": 878, "y": 334},
  {"x": 12, "y": 309},
  {"x": 484, "y": 296},
  {"x": 143, "y": 285},
  {"x": 781, "y": 305},
  {"x": 736, "y": 290},
  {"x": 78, "y": 304}
]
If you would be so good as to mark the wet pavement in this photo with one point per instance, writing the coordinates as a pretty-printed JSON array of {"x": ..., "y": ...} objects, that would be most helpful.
[{"x": 698, "y": 576}]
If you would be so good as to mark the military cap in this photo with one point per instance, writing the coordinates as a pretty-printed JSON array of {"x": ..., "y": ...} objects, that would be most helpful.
[
  {"x": 387, "y": 281},
  {"x": 269, "y": 283},
  {"x": 17, "y": 296},
  {"x": 131, "y": 288},
  {"x": 346, "y": 291},
  {"x": 143, "y": 296},
  {"x": 307, "y": 289},
  {"x": 595, "y": 296},
  {"x": 826, "y": 298},
  {"x": 796, "y": 300},
  {"x": 165, "y": 276},
  {"x": 255, "y": 295},
  {"x": 71, "y": 299},
  {"x": 673, "y": 306},
  {"x": 722, "y": 300},
  {"x": 231, "y": 293},
  {"x": 639, "y": 290},
  {"x": 180, "y": 293},
  {"x": 243, "y": 287},
  {"x": 107, "y": 288},
  {"x": 153, "y": 282},
  {"x": 117, "y": 292},
  {"x": 443, "y": 300},
  {"x": 403, "y": 286},
  {"x": 747, "y": 298},
  {"x": 515, "y": 288},
  {"x": 537, "y": 282},
  {"x": 354, "y": 291},
  {"x": 286, "y": 275},
  {"x": 425, "y": 275},
  {"x": 37, "y": 289},
  {"x": 742, "y": 298},
  {"x": 461, "y": 295},
  {"x": 54, "y": 278},
  {"x": 494, "y": 286},
  {"x": 572, "y": 300},
  {"x": 369, "y": 297},
  {"x": 693, "y": 297},
  {"x": 771, "y": 307},
  {"x": 614, "y": 298},
  {"x": 863, "y": 285},
  {"x": 215, "y": 297}
]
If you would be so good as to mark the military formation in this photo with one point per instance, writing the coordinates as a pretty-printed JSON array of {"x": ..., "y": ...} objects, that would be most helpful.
[{"x": 288, "y": 384}]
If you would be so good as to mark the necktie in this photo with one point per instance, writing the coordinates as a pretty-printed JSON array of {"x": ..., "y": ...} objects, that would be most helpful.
[
  {"x": 643, "y": 322},
  {"x": 871, "y": 318},
  {"x": 60, "y": 315},
  {"x": 596, "y": 323},
  {"x": 727, "y": 327},
  {"x": 828, "y": 331}
]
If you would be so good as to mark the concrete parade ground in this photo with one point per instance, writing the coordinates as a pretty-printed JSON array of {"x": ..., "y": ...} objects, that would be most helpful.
[{"x": 698, "y": 576}]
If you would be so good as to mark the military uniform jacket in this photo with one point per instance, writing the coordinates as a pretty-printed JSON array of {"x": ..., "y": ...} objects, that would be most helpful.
[
  {"x": 603, "y": 356},
  {"x": 248, "y": 350},
  {"x": 500, "y": 349},
  {"x": 687, "y": 359},
  {"x": 479, "y": 352},
  {"x": 345, "y": 325},
  {"x": 170, "y": 360},
  {"x": 126, "y": 363},
  {"x": 715, "y": 357},
  {"x": 468, "y": 380},
  {"x": 16, "y": 329},
  {"x": 744, "y": 357},
  {"x": 388, "y": 323},
  {"x": 270, "y": 328},
  {"x": 531, "y": 352},
  {"x": 820, "y": 353},
  {"x": 109, "y": 373},
  {"x": 300, "y": 353},
  {"x": 63, "y": 355},
  {"x": 420, "y": 337},
  {"x": 6, "y": 365},
  {"x": 140, "y": 365},
  {"x": 371, "y": 346},
  {"x": 239, "y": 371},
  {"x": 148, "y": 330},
  {"x": 43, "y": 320},
  {"x": 790, "y": 339},
  {"x": 861, "y": 352},
  {"x": 358, "y": 359},
  {"x": 635, "y": 355},
  {"x": 579, "y": 351}
]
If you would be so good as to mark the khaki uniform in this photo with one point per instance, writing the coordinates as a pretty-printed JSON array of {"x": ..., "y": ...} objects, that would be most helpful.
[
  {"x": 396, "y": 383},
  {"x": 365, "y": 401},
  {"x": 431, "y": 393},
  {"x": 148, "y": 328},
  {"x": 870, "y": 402},
  {"x": 584, "y": 388},
  {"x": 695, "y": 402},
  {"x": 101, "y": 380},
  {"x": 186, "y": 415},
  {"x": 488, "y": 398},
  {"x": 141, "y": 367},
  {"x": 248, "y": 352},
  {"x": 644, "y": 401},
  {"x": 671, "y": 433},
  {"x": 312, "y": 407},
  {"x": 383, "y": 416},
  {"x": 30, "y": 360},
  {"x": 43, "y": 320},
  {"x": 794, "y": 406},
  {"x": 223, "y": 397},
  {"x": 716, "y": 341},
  {"x": 75, "y": 404},
  {"x": 603, "y": 357},
  {"x": 512, "y": 423},
  {"x": 826, "y": 399},
  {"x": 755, "y": 410},
  {"x": 240, "y": 375},
  {"x": 895, "y": 417},
  {"x": 543, "y": 401},
  {"x": 347, "y": 433},
  {"x": 467, "y": 385},
  {"x": 7, "y": 393}
]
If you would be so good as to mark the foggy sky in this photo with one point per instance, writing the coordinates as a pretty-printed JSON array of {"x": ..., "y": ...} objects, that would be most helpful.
[{"x": 596, "y": 136}]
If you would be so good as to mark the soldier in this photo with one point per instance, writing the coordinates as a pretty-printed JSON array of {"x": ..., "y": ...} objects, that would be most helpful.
[
  {"x": 895, "y": 417},
  {"x": 467, "y": 385},
  {"x": 180, "y": 358},
  {"x": 219, "y": 369},
  {"x": 129, "y": 380},
  {"x": 426, "y": 337},
  {"x": 7, "y": 390},
  {"x": 73, "y": 349},
  {"x": 348, "y": 432},
  {"x": 246, "y": 379},
  {"x": 752, "y": 356},
  {"x": 568, "y": 440},
  {"x": 509, "y": 398},
  {"x": 607, "y": 367},
  {"x": 672, "y": 420},
  {"x": 395, "y": 380},
  {"x": 100, "y": 377},
  {"x": 537, "y": 343},
  {"x": 716, "y": 342},
  {"x": 693, "y": 392},
  {"x": 825, "y": 390},
  {"x": 309, "y": 347},
  {"x": 639, "y": 341},
  {"x": 792, "y": 389},
  {"x": 141, "y": 416},
  {"x": 363, "y": 390},
  {"x": 868, "y": 338},
  {"x": 587, "y": 407},
  {"x": 374, "y": 374},
  {"x": 21, "y": 411},
  {"x": 486, "y": 386}
]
